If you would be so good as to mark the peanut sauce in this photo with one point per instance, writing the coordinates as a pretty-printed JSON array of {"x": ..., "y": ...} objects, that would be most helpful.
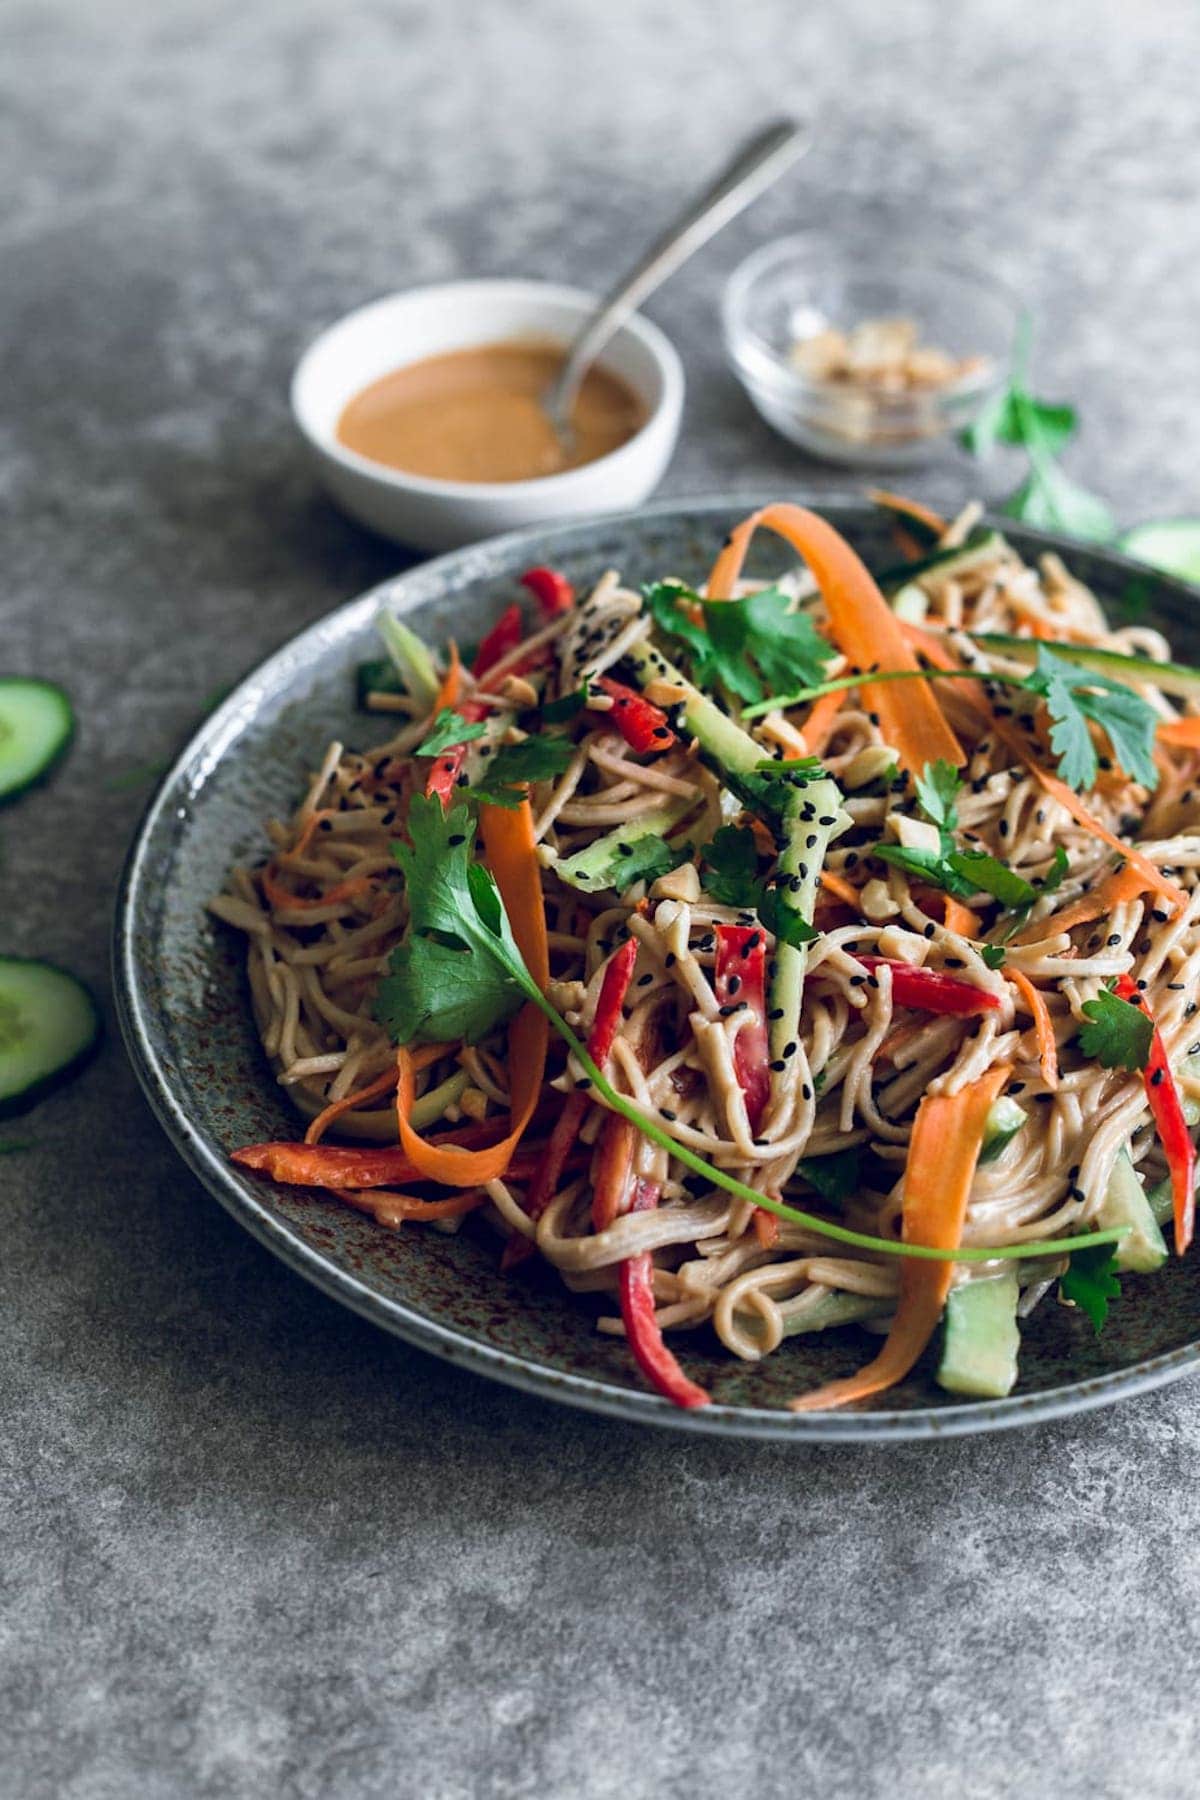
[{"x": 476, "y": 415}]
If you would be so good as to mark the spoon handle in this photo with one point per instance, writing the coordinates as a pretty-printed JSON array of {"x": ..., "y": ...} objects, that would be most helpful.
[{"x": 753, "y": 169}]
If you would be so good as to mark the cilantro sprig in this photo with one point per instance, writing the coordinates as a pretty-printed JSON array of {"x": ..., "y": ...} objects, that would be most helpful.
[
  {"x": 1042, "y": 429},
  {"x": 750, "y": 647},
  {"x": 962, "y": 873},
  {"x": 1074, "y": 697},
  {"x": 457, "y": 910}
]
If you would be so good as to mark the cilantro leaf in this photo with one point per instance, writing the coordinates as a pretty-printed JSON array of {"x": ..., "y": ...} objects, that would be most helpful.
[
  {"x": 557, "y": 712},
  {"x": 731, "y": 861},
  {"x": 835, "y": 1177},
  {"x": 745, "y": 643},
  {"x": 1073, "y": 697},
  {"x": 1051, "y": 500},
  {"x": 448, "y": 730},
  {"x": 783, "y": 921},
  {"x": 649, "y": 857},
  {"x": 534, "y": 759},
  {"x": 962, "y": 873},
  {"x": 1118, "y": 1034},
  {"x": 1058, "y": 870},
  {"x": 926, "y": 865},
  {"x": 1091, "y": 1282},
  {"x": 993, "y": 955},
  {"x": 1005, "y": 420},
  {"x": 439, "y": 987},
  {"x": 938, "y": 787},
  {"x": 733, "y": 879},
  {"x": 988, "y": 875}
]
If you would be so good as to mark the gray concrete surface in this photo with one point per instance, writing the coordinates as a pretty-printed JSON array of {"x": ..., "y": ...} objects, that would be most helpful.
[{"x": 250, "y": 1545}]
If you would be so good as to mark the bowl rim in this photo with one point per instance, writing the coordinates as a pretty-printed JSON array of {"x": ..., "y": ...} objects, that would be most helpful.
[
  {"x": 667, "y": 408},
  {"x": 197, "y": 760},
  {"x": 741, "y": 340}
]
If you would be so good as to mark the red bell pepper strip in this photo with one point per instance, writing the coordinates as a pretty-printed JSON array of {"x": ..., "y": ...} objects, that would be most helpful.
[
  {"x": 928, "y": 990},
  {"x": 643, "y": 726},
  {"x": 552, "y": 590},
  {"x": 740, "y": 976},
  {"x": 609, "y": 1007},
  {"x": 1162, "y": 1093},
  {"x": 504, "y": 636},
  {"x": 443, "y": 777},
  {"x": 650, "y": 1353},
  {"x": 368, "y": 1165}
]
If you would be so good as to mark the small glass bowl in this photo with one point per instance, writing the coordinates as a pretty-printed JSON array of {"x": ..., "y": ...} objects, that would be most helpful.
[{"x": 796, "y": 286}]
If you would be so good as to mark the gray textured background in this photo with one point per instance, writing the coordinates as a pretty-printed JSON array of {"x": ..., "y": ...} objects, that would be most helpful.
[{"x": 250, "y": 1545}]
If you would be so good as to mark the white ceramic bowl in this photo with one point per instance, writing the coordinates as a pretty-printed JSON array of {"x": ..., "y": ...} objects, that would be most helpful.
[{"x": 439, "y": 515}]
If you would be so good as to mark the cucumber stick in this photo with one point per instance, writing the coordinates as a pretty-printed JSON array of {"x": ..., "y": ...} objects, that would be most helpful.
[
  {"x": 1172, "y": 678},
  {"x": 598, "y": 866},
  {"x": 1169, "y": 544},
  {"x": 945, "y": 565},
  {"x": 1005, "y": 1118},
  {"x": 980, "y": 1337},
  {"x": 411, "y": 657},
  {"x": 1125, "y": 1203},
  {"x": 36, "y": 728},
  {"x": 49, "y": 1026},
  {"x": 813, "y": 815}
]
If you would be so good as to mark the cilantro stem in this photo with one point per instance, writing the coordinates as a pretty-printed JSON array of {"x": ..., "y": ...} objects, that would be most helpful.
[
  {"x": 840, "y": 1233},
  {"x": 863, "y": 678}
]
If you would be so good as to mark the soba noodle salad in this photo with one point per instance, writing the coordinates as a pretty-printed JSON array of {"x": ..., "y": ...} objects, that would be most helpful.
[{"x": 764, "y": 957}]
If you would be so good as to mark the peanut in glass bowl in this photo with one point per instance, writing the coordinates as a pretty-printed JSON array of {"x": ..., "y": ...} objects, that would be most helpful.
[{"x": 797, "y": 286}]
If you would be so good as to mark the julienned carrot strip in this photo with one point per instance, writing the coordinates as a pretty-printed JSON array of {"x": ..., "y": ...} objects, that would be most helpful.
[
  {"x": 311, "y": 826},
  {"x": 451, "y": 688},
  {"x": 817, "y": 729},
  {"x": 924, "y": 515},
  {"x": 374, "y": 1090},
  {"x": 511, "y": 854},
  {"x": 946, "y": 1140},
  {"x": 1035, "y": 1000},
  {"x": 1124, "y": 884},
  {"x": 862, "y": 625},
  {"x": 841, "y": 889},
  {"x": 940, "y": 657},
  {"x": 387, "y": 1207},
  {"x": 279, "y": 896},
  {"x": 1183, "y": 733},
  {"x": 1058, "y": 790},
  {"x": 959, "y": 918}
]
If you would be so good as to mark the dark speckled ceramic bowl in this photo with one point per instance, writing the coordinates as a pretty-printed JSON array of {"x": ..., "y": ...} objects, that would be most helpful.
[{"x": 184, "y": 1011}]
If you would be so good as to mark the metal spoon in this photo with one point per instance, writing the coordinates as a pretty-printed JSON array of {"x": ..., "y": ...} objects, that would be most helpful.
[{"x": 753, "y": 169}]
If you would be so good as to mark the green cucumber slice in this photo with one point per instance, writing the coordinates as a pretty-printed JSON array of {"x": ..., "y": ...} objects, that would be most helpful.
[
  {"x": 981, "y": 1337},
  {"x": 1005, "y": 1118},
  {"x": 411, "y": 657},
  {"x": 981, "y": 547},
  {"x": 49, "y": 1026},
  {"x": 598, "y": 866},
  {"x": 1126, "y": 1203},
  {"x": 36, "y": 727},
  {"x": 1169, "y": 544}
]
